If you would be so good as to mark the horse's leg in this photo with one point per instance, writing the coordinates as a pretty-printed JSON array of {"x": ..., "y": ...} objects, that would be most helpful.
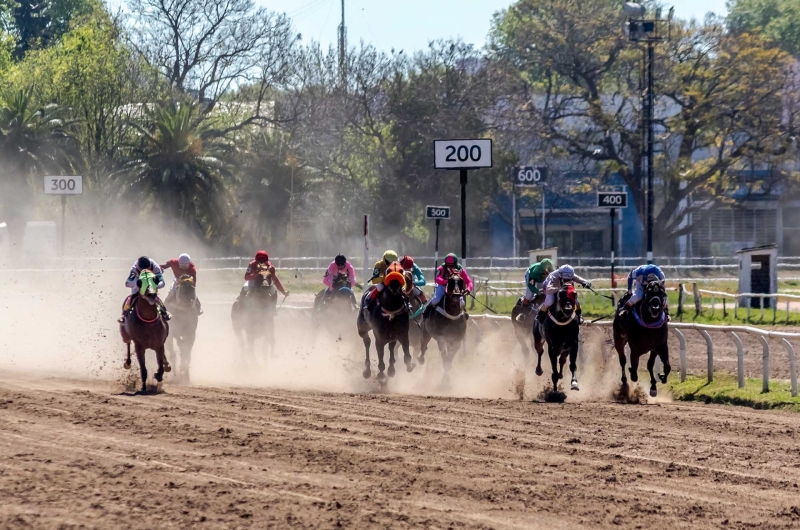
[
  {"x": 573, "y": 366},
  {"x": 551, "y": 351},
  {"x": 127, "y": 364},
  {"x": 539, "y": 347},
  {"x": 186, "y": 354},
  {"x": 380, "y": 344},
  {"x": 619, "y": 345},
  {"x": 142, "y": 368},
  {"x": 663, "y": 352},
  {"x": 406, "y": 353},
  {"x": 634, "y": 369},
  {"x": 522, "y": 338},
  {"x": 423, "y": 347},
  {"x": 391, "y": 370},
  {"x": 367, "y": 373},
  {"x": 161, "y": 359},
  {"x": 651, "y": 363}
]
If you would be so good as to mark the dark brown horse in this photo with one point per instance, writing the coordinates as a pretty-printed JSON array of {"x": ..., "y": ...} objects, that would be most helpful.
[
  {"x": 523, "y": 320},
  {"x": 146, "y": 327},
  {"x": 446, "y": 324},
  {"x": 561, "y": 330},
  {"x": 253, "y": 315},
  {"x": 644, "y": 328},
  {"x": 183, "y": 329}
]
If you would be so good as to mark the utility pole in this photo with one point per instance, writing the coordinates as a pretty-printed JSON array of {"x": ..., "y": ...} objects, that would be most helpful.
[
  {"x": 650, "y": 117},
  {"x": 343, "y": 49}
]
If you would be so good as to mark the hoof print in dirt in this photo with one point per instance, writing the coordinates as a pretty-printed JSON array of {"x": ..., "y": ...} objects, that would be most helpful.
[
  {"x": 634, "y": 395},
  {"x": 548, "y": 395}
]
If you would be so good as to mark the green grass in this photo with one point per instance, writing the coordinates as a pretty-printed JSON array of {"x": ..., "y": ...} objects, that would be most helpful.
[{"x": 724, "y": 389}]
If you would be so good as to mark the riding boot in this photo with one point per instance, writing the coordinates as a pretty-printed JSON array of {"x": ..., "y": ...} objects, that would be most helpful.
[
  {"x": 578, "y": 314},
  {"x": 164, "y": 312}
]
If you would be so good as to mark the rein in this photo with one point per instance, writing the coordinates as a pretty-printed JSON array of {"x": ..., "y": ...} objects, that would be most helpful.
[
  {"x": 655, "y": 325},
  {"x": 392, "y": 314},
  {"x": 144, "y": 319},
  {"x": 571, "y": 318},
  {"x": 448, "y": 315}
]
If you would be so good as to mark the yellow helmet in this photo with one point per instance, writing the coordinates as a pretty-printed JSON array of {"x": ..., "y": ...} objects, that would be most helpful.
[{"x": 389, "y": 256}]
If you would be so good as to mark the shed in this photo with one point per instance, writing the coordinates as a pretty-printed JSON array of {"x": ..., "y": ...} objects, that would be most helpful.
[
  {"x": 758, "y": 272},
  {"x": 539, "y": 254}
]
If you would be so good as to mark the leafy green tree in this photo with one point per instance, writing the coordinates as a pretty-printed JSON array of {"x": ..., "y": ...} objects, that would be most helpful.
[
  {"x": 34, "y": 141},
  {"x": 179, "y": 167},
  {"x": 777, "y": 20}
]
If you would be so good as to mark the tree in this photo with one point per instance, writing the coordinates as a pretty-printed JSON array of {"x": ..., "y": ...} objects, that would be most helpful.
[
  {"x": 207, "y": 49},
  {"x": 180, "y": 168},
  {"x": 573, "y": 81},
  {"x": 777, "y": 20},
  {"x": 34, "y": 141}
]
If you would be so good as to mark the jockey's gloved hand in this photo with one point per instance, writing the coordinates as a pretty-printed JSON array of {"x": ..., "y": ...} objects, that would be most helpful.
[{"x": 588, "y": 285}]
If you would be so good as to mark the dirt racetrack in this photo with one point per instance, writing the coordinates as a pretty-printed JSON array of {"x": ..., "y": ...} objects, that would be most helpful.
[{"x": 79, "y": 454}]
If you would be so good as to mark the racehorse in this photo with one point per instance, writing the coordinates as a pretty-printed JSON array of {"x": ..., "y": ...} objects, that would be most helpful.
[
  {"x": 388, "y": 320},
  {"x": 522, "y": 318},
  {"x": 560, "y": 330},
  {"x": 415, "y": 308},
  {"x": 184, "y": 323},
  {"x": 337, "y": 302},
  {"x": 146, "y": 327},
  {"x": 253, "y": 314},
  {"x": 446, "y": 324},
  {"x": 644, "y": 328}
]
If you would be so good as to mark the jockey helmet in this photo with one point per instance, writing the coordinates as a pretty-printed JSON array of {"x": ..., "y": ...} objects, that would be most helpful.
[
  {"x": 652, "y": 278},
  {"x": 548, "y": 265},
  {"x": 407, "y": 262},
  {"x": 389, "y": 256},
  {"x": 394, "y": 267},
  {"x": 184, "y": 261},
  {"x": 340, "y": 260},
  {"x": 451, "y": 260},
  {"x": 144, "y": 263},
  {"x": 567, "y": 272},
  {"x": 262, "y": 255}
]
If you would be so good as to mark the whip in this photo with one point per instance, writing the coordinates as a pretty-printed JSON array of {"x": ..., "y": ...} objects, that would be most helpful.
[{"x": 484, "y": 305}]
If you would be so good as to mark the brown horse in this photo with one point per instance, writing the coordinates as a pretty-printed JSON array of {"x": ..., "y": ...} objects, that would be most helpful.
[
  {"x": 253, "y": 314},
  {"x": 146, "y": 327},
  {"x": 184, "y": 324}
]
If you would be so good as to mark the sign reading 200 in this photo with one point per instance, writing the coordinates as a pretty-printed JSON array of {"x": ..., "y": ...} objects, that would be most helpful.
[{"x": 462, "y": 154}]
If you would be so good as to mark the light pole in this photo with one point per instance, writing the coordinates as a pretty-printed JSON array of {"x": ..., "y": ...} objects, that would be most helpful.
[{"x": 641, "y": 29}]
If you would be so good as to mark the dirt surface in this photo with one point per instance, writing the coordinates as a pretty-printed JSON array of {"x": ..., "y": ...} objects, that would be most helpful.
[{"x": 80, "y": 454}]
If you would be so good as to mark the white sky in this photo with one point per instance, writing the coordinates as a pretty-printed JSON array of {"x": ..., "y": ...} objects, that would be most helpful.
[{"x": 410, "y": 24}]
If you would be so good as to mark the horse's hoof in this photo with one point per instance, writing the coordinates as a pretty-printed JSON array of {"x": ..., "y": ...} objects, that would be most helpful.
[
  {"x": 381, "y": 376},
  {"x": 127, "y": 365},
  {"x": 410, "y": 367},
  {"x": 539, "y": 371},
  {"x": 366, "y": 373},
  {"x": 653, "y": 391},
  {"x": 560, "y": 376},
  {"x": 663, "y": 379},
  {"x": 421, "y": 359},
  {"x": 391, "y": 371},
  {"x": 634, "y": 376},
  {"x": 167, "y": 368},
  {"x": 574, "y": 385}
]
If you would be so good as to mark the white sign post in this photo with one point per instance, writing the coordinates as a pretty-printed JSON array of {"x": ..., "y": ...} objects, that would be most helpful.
[
  {"x": 63, "y": 186},
  {"x": 525, "y": 177},
  {"x": 463, "y": 155},
  {"x": 438, "y": 213},
  {"x": 612, "y": 197}
]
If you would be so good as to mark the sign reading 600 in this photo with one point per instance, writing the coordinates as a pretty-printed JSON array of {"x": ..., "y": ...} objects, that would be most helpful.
[{"x": 528, "y": 175}]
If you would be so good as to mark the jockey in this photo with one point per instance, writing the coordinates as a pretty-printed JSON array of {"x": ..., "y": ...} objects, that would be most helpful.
[
  {"x": 536, "y": 273},
  {"x": 407, "y": 262},
  {"x": 553, "y": 284},
  {"x": 379, "y": 272},
  {"x": 449, "y": 267},
  {"x": 261, "y": 260},
  {"x": 641, "y": 276},
  {"x": 143, "y": 263},
  {"x": 183, "y": 266},
  {"x": 391, "y": 267},
  {"x": 339, "y": 266}
]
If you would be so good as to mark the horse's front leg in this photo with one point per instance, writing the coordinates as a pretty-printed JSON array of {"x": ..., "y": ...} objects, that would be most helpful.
[
  {"x": 391, "y": 370},
  {"x": 367, "y": 373},
  {"x": 663, "y": 352},
  {"x": 634, "y": 368},
  {"x": 573, "y": 366},
  {"x": 553, "y": 354},
  {"x": 619, "y": 345},
  {"x": 423, "y": 346},
  {"x": 127, "y": 364},
  {"x": 142, "y": 368},
  {"x": 161, "y": 359},
  {"x": 539, "y": 347},
  {"x": 651, "y": 363},
  {"x": 406, "y": 353},
  {"x": 380, "y": 344}
]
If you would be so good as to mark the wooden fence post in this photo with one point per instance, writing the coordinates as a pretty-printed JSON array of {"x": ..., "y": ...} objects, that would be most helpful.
[
  {"x": 681, "y": 290},
  {"x": 698, "y": 302},
  {"x": 724, "y": 309}
]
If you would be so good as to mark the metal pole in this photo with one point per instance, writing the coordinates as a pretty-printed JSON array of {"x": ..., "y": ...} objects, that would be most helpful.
[
  {"x": 543, "y": 235},
  {"x": 436, "y": 255},
  {"x": 63, "y": 223},
  {"x": 464, "y": 215},
  {"x": 367, "y": 274},
  {"x": 650, "y": 144},
  {"x": 514, "y": 252},
  {"x": 613, "y": 245}
]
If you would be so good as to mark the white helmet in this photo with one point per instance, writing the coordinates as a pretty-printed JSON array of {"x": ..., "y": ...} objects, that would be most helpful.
[
  {"x": 567, "y": 272},
  {"x": 184, "y": 261}
]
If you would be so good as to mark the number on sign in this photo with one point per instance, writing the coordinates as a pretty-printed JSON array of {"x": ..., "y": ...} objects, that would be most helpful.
[
  {"x": 62, "y": 185},
  {"x": 529, "y": 175},
  {"x": 463, "y": 153},
  {"x": 612, "y": 199}
]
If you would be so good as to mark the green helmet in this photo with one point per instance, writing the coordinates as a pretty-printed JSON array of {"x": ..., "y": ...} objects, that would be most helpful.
[
  {"x": 389, "y": 256},
  {"x": 547, "y": 264}
]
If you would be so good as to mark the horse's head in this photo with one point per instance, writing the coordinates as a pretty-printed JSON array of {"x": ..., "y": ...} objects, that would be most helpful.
[
  {"x": 262, "y": 283},
  {"x": 654, "y": 299},
  {"x": 186, "y": 293},
  {"x": 567, "y": 299},
  {"x": 341, "y": 280},
  {"x": 394, "y": 284},
  {"x": 148, "y": 286},
  {"x": 409, "y": 276},
  {"x": 455, "y": 286}
]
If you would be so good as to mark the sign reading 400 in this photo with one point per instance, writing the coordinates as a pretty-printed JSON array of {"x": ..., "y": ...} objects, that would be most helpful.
[
  {"x": 462, "y": 154},
  {"x": 63, "y": 185}
]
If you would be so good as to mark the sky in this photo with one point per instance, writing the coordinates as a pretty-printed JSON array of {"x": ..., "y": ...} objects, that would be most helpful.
[{"x": 410, "y": 24}]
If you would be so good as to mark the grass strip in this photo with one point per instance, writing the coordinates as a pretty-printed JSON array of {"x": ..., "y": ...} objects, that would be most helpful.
[{"x": 724, "y": 390}]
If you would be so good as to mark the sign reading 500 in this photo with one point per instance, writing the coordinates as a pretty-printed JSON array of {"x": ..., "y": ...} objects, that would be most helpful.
[
  {"x": 63, "y": 185},
  {"x": 462, "y": 154}
]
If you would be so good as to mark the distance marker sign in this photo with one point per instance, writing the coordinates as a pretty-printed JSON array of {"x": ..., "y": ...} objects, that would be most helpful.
[
  {"x": 462, "y": 154},
  {"x": 528, "y": 175},
  {"x": 437, "y": 212},
  {"x": 63, "y": 185},
  {"x": 612, "y": 199}
]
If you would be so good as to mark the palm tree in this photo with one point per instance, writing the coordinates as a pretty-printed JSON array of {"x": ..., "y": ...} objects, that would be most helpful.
[
  {"x": 33, "y": 142},
  {"x": 181, "y": 165}
]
